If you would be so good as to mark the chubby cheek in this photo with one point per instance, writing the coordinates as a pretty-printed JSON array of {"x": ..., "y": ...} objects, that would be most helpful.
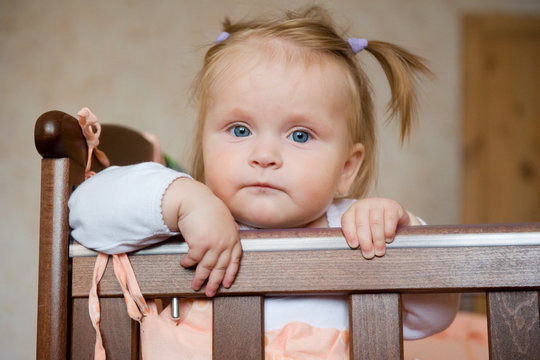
[
  {"x": 317, "y": 185},
  {"x": 218, "y": 170}
]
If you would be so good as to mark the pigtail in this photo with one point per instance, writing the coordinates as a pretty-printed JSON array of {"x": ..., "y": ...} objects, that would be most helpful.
[{"x": 402, "y": 69}]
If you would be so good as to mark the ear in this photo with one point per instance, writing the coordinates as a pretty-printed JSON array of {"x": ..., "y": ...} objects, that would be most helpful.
[{"x": 351, "y": 168}]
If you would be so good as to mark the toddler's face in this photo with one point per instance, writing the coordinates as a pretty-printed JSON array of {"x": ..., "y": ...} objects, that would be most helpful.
[{"x": 276, "y": 147}]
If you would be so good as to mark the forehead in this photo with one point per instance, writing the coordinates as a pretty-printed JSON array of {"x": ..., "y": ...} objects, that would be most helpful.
[
  {"x": 277, "y": 74},
  {"x": 277, "y": 55}
]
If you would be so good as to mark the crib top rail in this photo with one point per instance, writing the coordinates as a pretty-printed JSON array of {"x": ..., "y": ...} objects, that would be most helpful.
[
  {"x": 434, "y": 236},
  {"x": 469, "y": 258},
  {"x": 58, "y": 135}
]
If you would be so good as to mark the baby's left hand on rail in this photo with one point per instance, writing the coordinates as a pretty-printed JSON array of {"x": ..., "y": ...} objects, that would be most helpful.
[
  {"x": 209, "y": 230},
  {"x": 371, "y": 223}
]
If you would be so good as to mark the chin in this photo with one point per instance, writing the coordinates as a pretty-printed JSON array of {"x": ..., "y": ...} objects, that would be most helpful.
[
  {"x": 269, "y": 216},
  {"x": 262, "y": 223},
  {"x": 270, "y": 222}
]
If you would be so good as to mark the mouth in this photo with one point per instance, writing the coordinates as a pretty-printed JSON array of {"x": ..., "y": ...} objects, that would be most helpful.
[{"x": 262, "y": 186}]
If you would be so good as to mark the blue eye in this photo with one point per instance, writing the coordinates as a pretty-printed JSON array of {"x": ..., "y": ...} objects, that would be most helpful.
[
  {"x": 240, "y": 131},
  {"x": 299, "y": 136}
]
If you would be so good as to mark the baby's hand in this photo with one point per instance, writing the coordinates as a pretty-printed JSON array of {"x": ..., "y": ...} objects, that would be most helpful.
[
  {"x": 371, "y": 223},
  {"x": 209, "y": 230}
]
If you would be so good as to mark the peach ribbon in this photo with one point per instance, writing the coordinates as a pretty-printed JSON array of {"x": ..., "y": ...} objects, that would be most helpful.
[{"x": 91, "y": 130}]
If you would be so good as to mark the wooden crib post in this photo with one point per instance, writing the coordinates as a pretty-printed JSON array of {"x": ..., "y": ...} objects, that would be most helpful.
[
  {"x": 241, "y": 334},
  {"x": 513, "y": 325},
  {"x": 375, "y": 319},
  {"x": 52, "y": 314},
  {"x": 59, "y": 140}
]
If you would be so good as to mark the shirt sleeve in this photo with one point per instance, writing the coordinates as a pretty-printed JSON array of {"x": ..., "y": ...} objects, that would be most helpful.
[
  {"x": 427, "y": 314},
  {"x": 119, "y": 209}
]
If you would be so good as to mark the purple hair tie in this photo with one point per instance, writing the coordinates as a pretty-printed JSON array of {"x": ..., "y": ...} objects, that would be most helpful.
[
  {"x": 223, "y": 36},
  {"x": 357, "y": 44}
]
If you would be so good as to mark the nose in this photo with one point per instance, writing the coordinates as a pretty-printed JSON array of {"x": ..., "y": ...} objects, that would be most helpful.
[{"x": 266, "y": 154}]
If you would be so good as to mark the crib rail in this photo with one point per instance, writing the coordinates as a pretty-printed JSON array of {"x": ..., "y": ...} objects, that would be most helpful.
[
  {"x": 332, "y": 239},
  {"x": 462, "y": 266},
  {"x": 502, "y": 260}
]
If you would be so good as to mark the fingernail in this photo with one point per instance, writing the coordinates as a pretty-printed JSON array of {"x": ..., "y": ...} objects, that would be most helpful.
[
  {"x": 368, "y": 254},
  {"x": 380, "y": 252}
]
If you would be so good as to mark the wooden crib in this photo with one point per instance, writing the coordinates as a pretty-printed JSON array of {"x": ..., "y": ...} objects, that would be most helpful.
[{"x": 502, "y": 260}]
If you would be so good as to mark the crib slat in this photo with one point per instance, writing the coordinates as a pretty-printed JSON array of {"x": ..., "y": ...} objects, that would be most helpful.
[
  {"x": 241, "y": 330},
  {"x": 375, "y": 325},
  {"x": 120, "y": 333},
  {"x": 82, "y": 333},
  {"x": 514, "y": 325},
  {"x": 293, "y": 272}
]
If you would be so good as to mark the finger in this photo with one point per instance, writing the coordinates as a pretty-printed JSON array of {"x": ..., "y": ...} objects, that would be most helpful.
[
  {"x": 363, "y": 232},
  {"x": 201, "y": 274},
  {"x": 192, "y": 257},
  {"x": 217, "y": 274},
  {"x": 376, "y": 223},
  {"x": 204, "y": 268},
  {"x": 391, "y": 218},
  {"x": 348, "y": 227},
  {"x": 233, "y": 267}
]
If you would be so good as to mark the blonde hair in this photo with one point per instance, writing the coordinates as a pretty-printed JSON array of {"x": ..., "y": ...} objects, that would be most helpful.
[{"x": 312, "y": 32}]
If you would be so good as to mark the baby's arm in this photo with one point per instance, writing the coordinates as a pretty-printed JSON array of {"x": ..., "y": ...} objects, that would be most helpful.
[
  {"x": 371, "y": 223},
  {"x": 209, "y": 229},
  {"x": 120, "y": 209}
]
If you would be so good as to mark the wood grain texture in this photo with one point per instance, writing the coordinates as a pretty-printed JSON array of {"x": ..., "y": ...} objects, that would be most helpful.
[
  {"x": 241, "y": 330},
  {"x": 513, "y": 325},
  {"x": 442, "y": 269},
  {"x": 52, "y": 314},
  {"x": 120, "y": 333},
  {"x": 375, "y": 326},
  {"x": 83, "y": 335}
]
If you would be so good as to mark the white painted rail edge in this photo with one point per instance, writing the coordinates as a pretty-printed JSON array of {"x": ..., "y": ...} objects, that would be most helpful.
[{"x": 338, "y": 243}]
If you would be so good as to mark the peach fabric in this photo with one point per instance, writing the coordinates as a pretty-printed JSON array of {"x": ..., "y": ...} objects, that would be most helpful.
[
  {"x": 93, "y": 304},
  {"x": 161, "y": 336},
  {"x": 301, "y": 341},
  {"x": 465, "y": 339},
  {"x": 91, "y": 130},
  {"x": 188, "y": 338}
]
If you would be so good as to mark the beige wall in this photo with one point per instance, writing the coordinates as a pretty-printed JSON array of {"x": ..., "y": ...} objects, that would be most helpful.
[{"x": 132, "y": 61}]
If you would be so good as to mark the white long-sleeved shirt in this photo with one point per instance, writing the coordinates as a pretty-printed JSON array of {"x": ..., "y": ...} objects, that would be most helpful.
[{"x": 119, "y": 210}]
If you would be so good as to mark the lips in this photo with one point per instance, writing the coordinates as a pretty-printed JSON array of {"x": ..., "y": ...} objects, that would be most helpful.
[{"x": 262, "y": 186}]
